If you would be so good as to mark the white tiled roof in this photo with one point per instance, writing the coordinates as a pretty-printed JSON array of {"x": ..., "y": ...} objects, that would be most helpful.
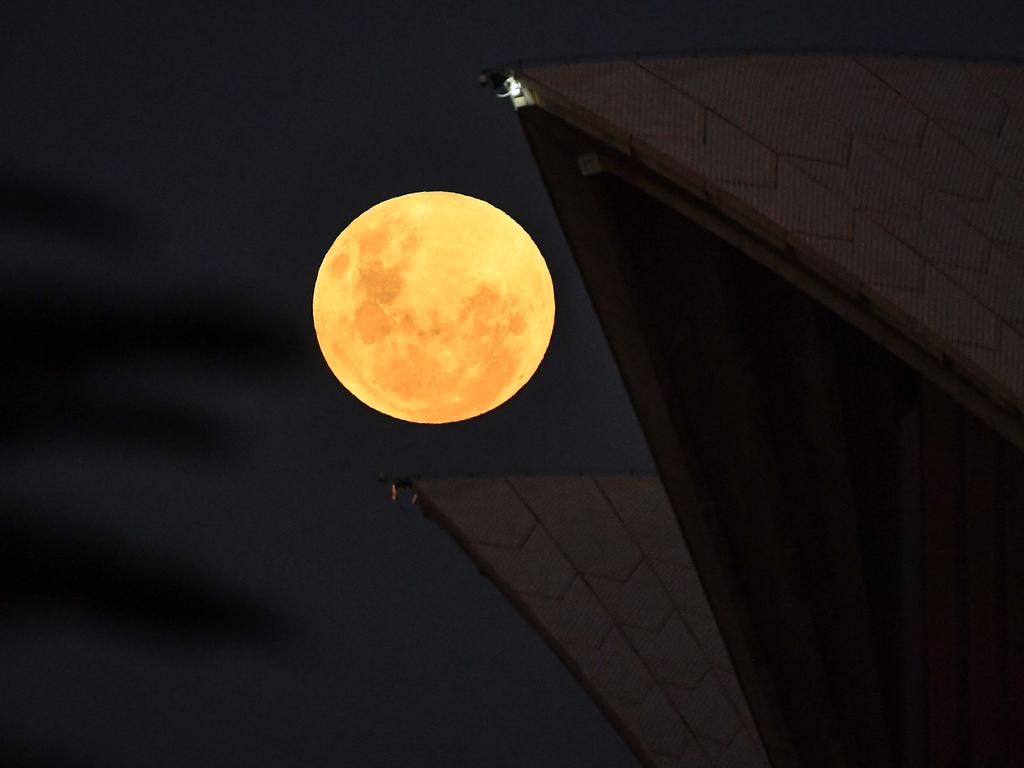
[{"x": 599, "y": 566}]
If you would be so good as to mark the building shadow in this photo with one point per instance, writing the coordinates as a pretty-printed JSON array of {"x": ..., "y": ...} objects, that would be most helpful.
[{"x": 84, "y": 367}]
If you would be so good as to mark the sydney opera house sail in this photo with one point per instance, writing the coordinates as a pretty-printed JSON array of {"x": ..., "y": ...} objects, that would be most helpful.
[
  {"x": 598, "y": 566},
  {"x": 810, "y": 271}
]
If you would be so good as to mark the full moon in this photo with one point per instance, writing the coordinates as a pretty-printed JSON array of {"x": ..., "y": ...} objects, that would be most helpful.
[{"x": 433, "y": 307}]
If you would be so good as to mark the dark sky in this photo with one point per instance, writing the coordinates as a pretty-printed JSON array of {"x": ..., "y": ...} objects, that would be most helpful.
[{"x": 198, "y": 565}]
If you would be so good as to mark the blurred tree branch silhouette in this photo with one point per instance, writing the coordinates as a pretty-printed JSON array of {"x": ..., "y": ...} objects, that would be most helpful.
[{"x": 72, "y": 363}]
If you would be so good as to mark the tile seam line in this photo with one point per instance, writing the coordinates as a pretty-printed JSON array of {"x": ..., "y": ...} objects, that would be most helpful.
[
  {"x": 713, "y": 669},
  {"x": 925, "y": 191},
  {"x": 611, "y": 616}
]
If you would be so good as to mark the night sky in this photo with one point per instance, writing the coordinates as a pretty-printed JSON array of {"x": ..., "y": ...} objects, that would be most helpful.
[{"x": 198, "y": 563}]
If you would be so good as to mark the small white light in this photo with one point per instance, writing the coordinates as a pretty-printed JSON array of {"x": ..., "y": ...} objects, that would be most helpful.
[
  {"x": 519, "y": 95},
  {"x": 513, "y": 88}
]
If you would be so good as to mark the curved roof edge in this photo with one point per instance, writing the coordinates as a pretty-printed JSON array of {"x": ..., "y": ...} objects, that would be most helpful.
[
  {"x": 486, "y": 73},
  {"x": 881, "y": 179}
]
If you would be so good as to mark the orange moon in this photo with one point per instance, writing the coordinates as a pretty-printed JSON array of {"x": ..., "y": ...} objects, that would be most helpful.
[{"x": 433, "y": 307}]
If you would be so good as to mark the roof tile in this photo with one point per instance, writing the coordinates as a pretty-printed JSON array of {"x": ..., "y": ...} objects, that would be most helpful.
[
  {"x": 576, "y": 617},
  {"x": 874, "y": 256},
  {"x": 708, "y": 710},
  {"x": 614, "y": 669},
  {"x": 656, "y": 724},
  {"x": 943, "y": 90},
  {"x": 642, "y": 505},
  {"x": 1005, "y": 81},
  {"x": 640, "y": 601},
  {"x": 743, "y": 752},
  {"x": 536, "y": 568},
  {"x": 762, "y": 102},
  {"x": 999, "y": 217},
  {"x": 627, "y": 94},
  {"x": 856, "y": 181},
  {"x": 940, "y": 234},
  {"x": 799, "y": 203},
  {"x": 727, "y": 154},
  {"x": 583, "y": 523},
  {"x": 683, "y": 586},
  {"x": 1000, "y": 282},
  {"x": 941, "y": 162},
  {"x": 487, "y": 511},
  {"x": 948, "y": 309},
  {"x": 671, "y": 652}
]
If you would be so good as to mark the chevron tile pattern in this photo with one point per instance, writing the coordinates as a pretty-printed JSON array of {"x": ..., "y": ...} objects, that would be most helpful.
[
  {"x": 599, "y": 566},
  {"x": 905, "y": 174}
]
